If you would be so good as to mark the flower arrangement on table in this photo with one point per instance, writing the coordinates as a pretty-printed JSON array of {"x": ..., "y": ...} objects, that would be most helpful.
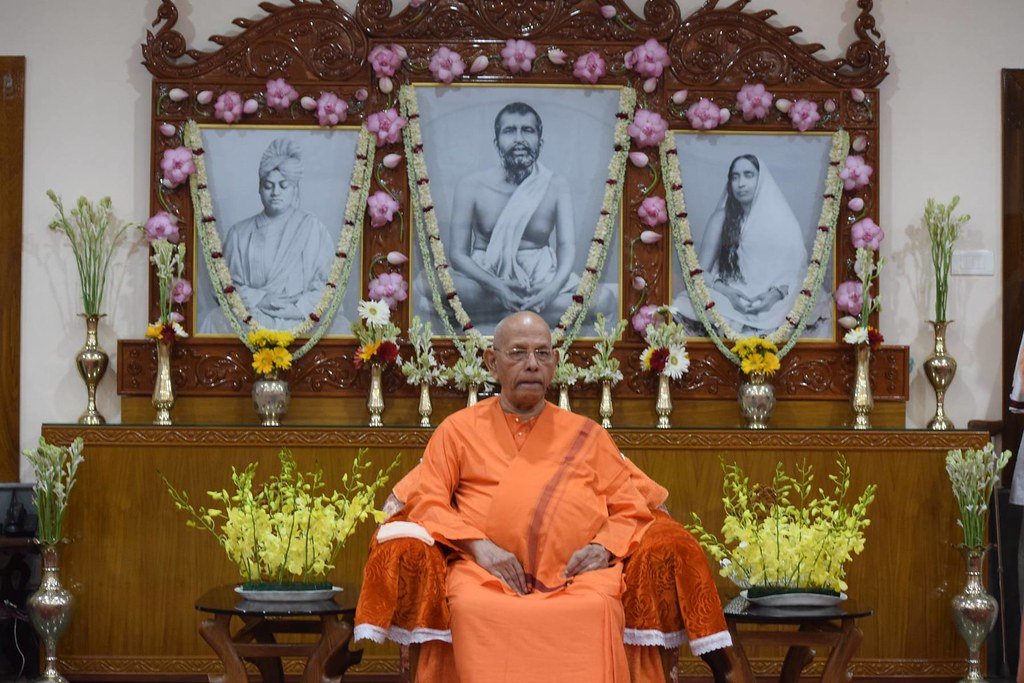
[
  {"x": 422, "y": 368},
  {"x": 758, "y": 356},
  {"x": 944, "y": 229},
  {"x": 974, "y": 474},
  {"x": 168, "y": 259},
  {"x": 270, "y": 351},
  {"x": 780, "y": 539},
  {"x": 55, "y": 469},
  {"x": 469, "y": 370},
  {"x": 287, "y": 532},
  {"x": 566, "y": 372},
  {"x": 855, "y": 297},
  {"x": 93, "y": 233},
  {"x": 666, "y": 347},
  {"x": 377, "y": 335},
  {"x": 603, "y": 366}
]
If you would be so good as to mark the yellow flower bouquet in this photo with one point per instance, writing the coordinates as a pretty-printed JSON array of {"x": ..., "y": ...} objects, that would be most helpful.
[
  {"x": 780, "y": 539},
  {"x": 287, "y": 532},
  {"x": 270, "y": 352},
  {"x": 757, "y": 356}
]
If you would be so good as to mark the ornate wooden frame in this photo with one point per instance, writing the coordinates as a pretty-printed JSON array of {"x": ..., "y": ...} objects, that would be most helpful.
[{"x": 319, "y": 46}]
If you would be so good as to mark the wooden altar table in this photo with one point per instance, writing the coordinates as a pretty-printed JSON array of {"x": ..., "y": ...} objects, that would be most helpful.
[{"x": 136, "y": 568}]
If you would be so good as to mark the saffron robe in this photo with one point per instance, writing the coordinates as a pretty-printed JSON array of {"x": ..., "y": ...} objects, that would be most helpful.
[{"x": 565, "y": 487}]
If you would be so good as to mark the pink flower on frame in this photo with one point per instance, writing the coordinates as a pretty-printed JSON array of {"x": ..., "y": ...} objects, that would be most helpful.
[
  {"x": 181, "y": 290},
  {"x": 387, "y": 125},
  {"x": 856, "y": 173},
  {"x": 330, "y": 109},
  {"x": 177, "y": 166},
  {"x": 382, "y": 208},
  {"x": 648, "y": 128},
  {"x": 850, "y": 297},
  {"x": 385, "y": 60},
  {"x": 856, "y": 205},
  {"x": 228, "y": 107},
  {"x": 161, "y": 226},
  {"x": 589, "y": 67},
  {"x": 706, "y": 115},
  {"x": 649, "y": 59},
  {"x": 754, "y": 101},
  {"x": 389, "y": 288},
  {"x": 647, "y": 315},
  {"x": 280, "y": 94},
  {"x": 518, "y": 55},
  {"x": 867, "y": 235},
  {"x": 653, "y": 211},
  {"x": 804, "y": 115},
  {"x": 447, "y": 65}
]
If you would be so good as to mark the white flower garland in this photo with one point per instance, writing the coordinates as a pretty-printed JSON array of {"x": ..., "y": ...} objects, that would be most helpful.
[
  {"x": 796, "y": 320},
  {"x": 435, "y": 263},
  {"x": 231, "y": 303}
]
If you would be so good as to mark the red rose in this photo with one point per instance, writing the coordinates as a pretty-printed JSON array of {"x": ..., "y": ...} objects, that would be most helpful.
[
  {"x": 388, "y": 352},
  {"x": 875, "y": 338},
  {"x": 658, "y": 359}
]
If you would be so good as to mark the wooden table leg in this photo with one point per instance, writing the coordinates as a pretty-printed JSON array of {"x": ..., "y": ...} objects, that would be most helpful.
[
  {"x": 837, "y": 668},
  {"x": 256, "y": 628},
  {"x": 740, "y": 670},
  {"x": 797, "y": 658},
  {"x": 331, "y": 658},
  {"x": 217, "y": 633}
]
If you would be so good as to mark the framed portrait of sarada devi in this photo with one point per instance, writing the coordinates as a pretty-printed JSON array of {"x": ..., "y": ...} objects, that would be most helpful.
[
  {"x": 518, "y": 177},
  {"x": 753, "y": 202},
  {"x": 279, "y": 195}
]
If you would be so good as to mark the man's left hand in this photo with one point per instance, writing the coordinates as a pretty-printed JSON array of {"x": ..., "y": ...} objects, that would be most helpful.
[{"x": 588, "y": 558}]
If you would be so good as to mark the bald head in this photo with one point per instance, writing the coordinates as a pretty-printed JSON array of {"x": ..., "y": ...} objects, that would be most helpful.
[{"x": 523, "y": 361}]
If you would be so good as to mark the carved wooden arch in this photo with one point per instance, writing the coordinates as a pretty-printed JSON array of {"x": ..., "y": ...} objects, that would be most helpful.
[{"x": 319, "y": 45}]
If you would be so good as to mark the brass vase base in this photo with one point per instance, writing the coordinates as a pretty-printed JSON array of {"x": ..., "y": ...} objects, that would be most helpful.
[
  {"x": 92, "y": 362},
  {"x": 940, "y": 368}
]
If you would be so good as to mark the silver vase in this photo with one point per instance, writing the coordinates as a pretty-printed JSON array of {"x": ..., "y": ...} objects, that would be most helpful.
[
  {"x": 271, "y": 395},
  {"x": 472, "y": 395},
  {"x": 974, "y": 612},
  {"x": 663, "y": 402},
  {"x": 940, "y": 369},
  {"x": 50, "y": 610},
  {"x": 861, "y": 399},
  {"x": 757, "y": 399},
  {"x": 606, "y": 404},
  {"x": 563, "y": 397},
  {"x": 425, "y": 407},
  {"x": 163, "y": 390},
  {"x": 92, "y": 363},
  {"x": 375, "y": 401}
]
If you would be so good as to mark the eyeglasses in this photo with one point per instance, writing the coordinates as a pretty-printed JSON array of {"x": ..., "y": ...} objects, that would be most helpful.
[{"x": 518, "y": 355}]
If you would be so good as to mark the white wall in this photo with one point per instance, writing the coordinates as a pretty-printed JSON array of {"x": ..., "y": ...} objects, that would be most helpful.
[{"x": 86, "y": 132}]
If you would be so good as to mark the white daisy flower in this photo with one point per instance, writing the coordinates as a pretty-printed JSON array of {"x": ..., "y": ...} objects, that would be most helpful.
[
  {"x": 678, "y": 362},
  {"x": 374, "y": 312},
  {"x": 858, "y": 335}
]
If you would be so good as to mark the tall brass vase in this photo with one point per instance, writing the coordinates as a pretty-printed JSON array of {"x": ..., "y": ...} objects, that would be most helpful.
[
  {"x": 940, "y": 368},
  {"x": 663, "y": 402},
  {"x": 92, "y": 363},
  {"x": 563, "y": 397},
  {"x": 605, "y": 407},
  {"x": 861, "y": 399},
  {"x": 50, "y": 610},
  {"x": 425, "y": 407},
  {"x": 375, "y": 401},
  {"x": 163, "y": 389},
  {"x": 472, "y": 395},
  {"x": 974, "y": 612}
]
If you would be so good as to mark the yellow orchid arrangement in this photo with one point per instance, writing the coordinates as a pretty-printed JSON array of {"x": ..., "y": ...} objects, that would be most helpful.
[
  {"x": 270, "y": 351},
  {"x": 757, "y": 356},
  {"x": 287, "y": 532},
  {"x": 780, "y": 539}
]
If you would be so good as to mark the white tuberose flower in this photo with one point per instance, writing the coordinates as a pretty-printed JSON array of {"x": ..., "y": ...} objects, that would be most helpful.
[{"x": 374, "y": 312}]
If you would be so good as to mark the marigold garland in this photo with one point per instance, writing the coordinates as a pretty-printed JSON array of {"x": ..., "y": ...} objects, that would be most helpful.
[
  {"x": 796, "y": 320},
  {"x": 435, "y": 262},
  {"x": 231, "y": 303}
]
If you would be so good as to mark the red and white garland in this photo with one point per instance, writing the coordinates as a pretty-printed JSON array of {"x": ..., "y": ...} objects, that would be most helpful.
[
  {"x": 435, "y": 261},
  {"x": 715, "y": 324},
  {"x": 319, "y": 319}
]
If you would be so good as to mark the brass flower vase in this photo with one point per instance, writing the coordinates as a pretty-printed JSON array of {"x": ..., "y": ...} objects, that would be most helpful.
[
  {"x": 163, "y": 390},
  {"x": 940, "y": 368},
  {"x": 563, "y": 397},
  {"x": 756, "y": 397},
  {"x": 375, "y": 401},
  {"x": 425, "y": 407},
  {"x": 92, "y": 363},
  {"x": 50, "y": 609},
  {"x": 606, "y": 404},
  {"x": 271, "y": 396},
  {"x": 663, "y": 402},
  {"x": 472, "y": 395},
  {"x": 974, "y": 612},
  {"x": 861, "y": 400}
]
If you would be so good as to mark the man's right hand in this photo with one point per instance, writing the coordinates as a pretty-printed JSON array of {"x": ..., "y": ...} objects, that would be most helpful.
[{"x": 499, "y": 562}]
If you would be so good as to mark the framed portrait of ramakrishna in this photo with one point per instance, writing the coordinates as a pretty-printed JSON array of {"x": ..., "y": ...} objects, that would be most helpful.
[
  {"x": 518, "y": 176},
  {"x": 753, "y": 201},
  {"x": 279, "y": 195}
]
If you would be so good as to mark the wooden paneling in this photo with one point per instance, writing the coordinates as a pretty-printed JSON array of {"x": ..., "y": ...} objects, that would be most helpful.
[
  {"x": 136, "y": 568},
  {"x": 12, "y": 164}
]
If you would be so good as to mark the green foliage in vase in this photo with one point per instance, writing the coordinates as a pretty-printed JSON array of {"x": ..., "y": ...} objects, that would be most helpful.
[{"x": 944, "y": 229}]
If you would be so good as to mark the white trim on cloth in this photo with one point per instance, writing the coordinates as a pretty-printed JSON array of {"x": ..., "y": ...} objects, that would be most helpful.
[
  {"x": 716, "y": 641},
  {"x": 675, "y": 639},
  {"x": 399, "y": 635}
]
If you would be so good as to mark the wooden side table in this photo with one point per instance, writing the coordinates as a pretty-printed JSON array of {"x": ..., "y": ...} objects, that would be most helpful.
[
  {"x": 327, "y": 658},
  {"x": 831, "y": 627}
]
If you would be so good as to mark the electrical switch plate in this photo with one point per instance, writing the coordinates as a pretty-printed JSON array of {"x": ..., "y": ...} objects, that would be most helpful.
[{"x": 973, "y": 262}]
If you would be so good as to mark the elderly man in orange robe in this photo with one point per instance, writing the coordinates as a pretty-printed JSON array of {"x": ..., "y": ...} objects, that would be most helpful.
[{"x": 539, "y": 509}]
